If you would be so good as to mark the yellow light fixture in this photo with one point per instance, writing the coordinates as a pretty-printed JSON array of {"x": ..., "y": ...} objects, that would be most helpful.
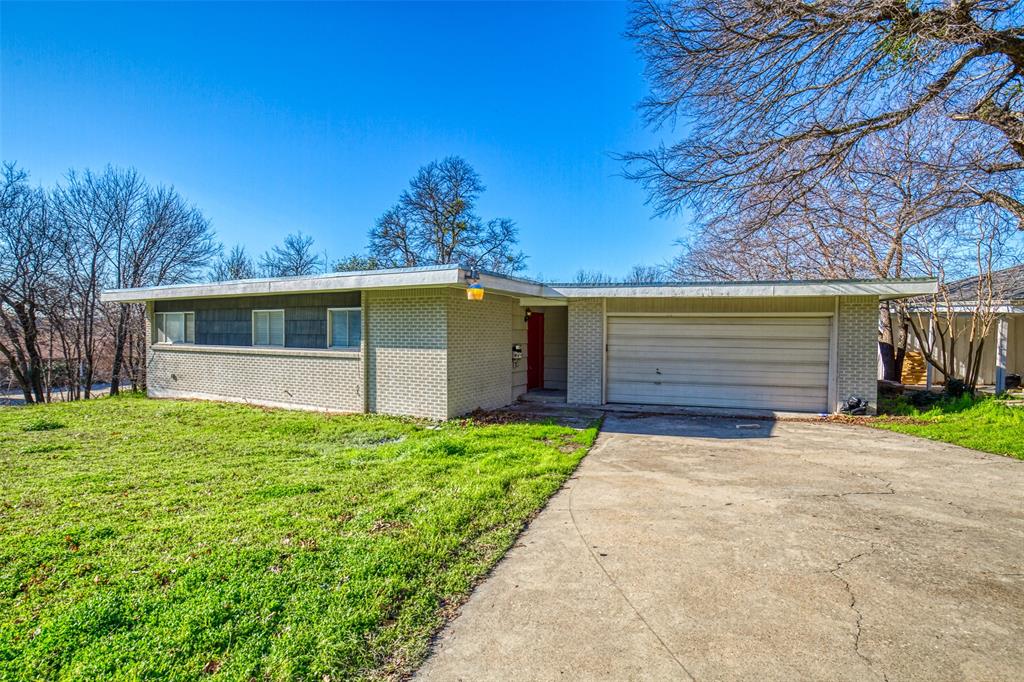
[{"x": 475, "y": 292}]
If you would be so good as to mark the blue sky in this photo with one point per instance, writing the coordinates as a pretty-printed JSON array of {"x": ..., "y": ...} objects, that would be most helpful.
[{"x": 275, "y": 118}]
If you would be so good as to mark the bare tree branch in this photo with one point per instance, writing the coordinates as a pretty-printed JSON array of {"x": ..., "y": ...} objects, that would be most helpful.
[
  {"x": 434, "y": 223},
  {"x": 776, "y": 96}
]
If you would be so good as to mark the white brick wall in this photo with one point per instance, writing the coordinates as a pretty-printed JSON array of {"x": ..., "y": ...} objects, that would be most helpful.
[
  {"x": 279, "y": 377},
  {"x": 407, "y": 341},
  {"x": 586, "y": 351},
  {"x": 857, "y": 373},
  {"x": 480, "y": 338}
]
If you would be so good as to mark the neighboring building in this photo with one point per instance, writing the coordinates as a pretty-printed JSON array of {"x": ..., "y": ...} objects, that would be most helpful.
[
  {"x": 1003, "y": 346},
  {"x": 409, "y": 341}
]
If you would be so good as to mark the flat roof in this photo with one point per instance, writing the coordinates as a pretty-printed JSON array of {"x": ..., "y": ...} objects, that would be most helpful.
[{"x": 458, "y": 276}]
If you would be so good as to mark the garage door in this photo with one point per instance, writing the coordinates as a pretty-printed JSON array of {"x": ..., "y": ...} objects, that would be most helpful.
[{"x": 773, "y": 363}]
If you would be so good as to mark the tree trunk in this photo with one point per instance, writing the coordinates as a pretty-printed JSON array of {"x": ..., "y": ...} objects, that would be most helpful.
[
  {"x": 119, "y": 340},
  {"x": 30, "y": 334},
  {"x": 901, "y": 347},
  {"x": 890, "y": 372},
  {"x": 892, "y": 358},
  {"x": 901, "y": 356}
]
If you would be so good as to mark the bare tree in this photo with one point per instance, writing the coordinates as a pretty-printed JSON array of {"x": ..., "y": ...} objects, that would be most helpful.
[
  {"x": 882, "y": 214},
  {"x": 83, "y": 235},
  {"x": 294, "y": 258},
  {"x": 434, "y": 223},
  {"x": 950, "y": 328},
  {"x": 26, "y": 266},
  {"x": 57, "y": 253},
  {"x": 357, "y": 261},
  {"x": 235, "y": 264},
  {"x": 638, "y": 274},
  {"x": 113, "y": 230},
  {"x": 158, "y": 239},
  {"x": 592, "y": 277},
  {"x": 778, "y": 95},
  {"x": 645, "y": 274}
]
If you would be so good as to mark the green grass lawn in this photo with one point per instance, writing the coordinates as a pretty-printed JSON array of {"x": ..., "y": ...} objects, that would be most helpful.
[
  {"x": 144, "y": 539},
  {"x": 983, "y": 424}
]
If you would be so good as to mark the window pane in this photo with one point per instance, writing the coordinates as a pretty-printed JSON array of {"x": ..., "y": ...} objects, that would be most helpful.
[
  {"x": 260, "y": 331},
  {"x": 190, "y": 328},
  {"x": 355, "y": 328},
  {"x": 339, "y": 329},
  {"x": 174, "y": 327},
  {"x": 346, "y": 328},
  {"x": 277, "y": 328},
  {"x": 161, "y": 337}
]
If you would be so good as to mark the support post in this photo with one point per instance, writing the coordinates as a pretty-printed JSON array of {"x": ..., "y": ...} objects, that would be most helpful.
[
  {"x": 1002, "y": 332},
  {"x": 928, "y": 370}
]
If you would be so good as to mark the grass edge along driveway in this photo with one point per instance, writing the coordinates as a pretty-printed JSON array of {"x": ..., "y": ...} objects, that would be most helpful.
[
  {"x": 985, "y": 423},
  {"x": 149, "y": 539}
]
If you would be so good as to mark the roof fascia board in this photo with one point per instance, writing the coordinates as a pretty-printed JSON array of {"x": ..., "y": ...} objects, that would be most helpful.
[
  {"x": 304, "y": 285},
  {"x": 455, "y": 276},
  {"x": 882, "y": 289}
]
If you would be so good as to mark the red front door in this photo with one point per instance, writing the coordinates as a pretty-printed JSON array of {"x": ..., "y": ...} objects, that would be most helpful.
[{"x": 535, "y": 351}]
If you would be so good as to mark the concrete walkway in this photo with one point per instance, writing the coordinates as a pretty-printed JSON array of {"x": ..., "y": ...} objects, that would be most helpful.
[{"x": 714, "y": 549}]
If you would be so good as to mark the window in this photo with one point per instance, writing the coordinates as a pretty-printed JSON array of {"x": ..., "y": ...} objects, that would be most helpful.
[
  {"x": 175, "y": 327},
  {"x": 344, "y": 327},
  {"x": 268, "y": 327}
]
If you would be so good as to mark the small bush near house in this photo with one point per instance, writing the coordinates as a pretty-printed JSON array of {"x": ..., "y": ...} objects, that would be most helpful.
[
  {"x": 162, "y": 540},
  {"x": 985, "y": 423}
]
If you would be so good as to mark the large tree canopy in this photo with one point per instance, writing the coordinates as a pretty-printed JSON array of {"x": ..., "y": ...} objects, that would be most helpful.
[{"x": 776, "y": 95}]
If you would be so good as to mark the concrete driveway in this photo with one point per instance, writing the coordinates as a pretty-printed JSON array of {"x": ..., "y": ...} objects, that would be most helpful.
[{"x": 715, "y": 549}]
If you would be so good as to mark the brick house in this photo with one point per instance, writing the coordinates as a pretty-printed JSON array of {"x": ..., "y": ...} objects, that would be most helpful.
[{"x": 411, "y": 341}]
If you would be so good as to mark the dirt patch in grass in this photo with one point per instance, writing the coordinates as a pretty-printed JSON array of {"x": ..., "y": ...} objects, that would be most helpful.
[{"x": 388, "y": 526}]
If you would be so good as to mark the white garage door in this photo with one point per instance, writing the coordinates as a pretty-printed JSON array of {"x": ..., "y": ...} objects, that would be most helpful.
[{"x": 772, "y": 363}]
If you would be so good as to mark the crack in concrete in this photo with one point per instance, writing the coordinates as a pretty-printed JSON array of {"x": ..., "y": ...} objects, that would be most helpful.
[
  {"x": 834, "y": 572},
  {"x": 622, "y": 592},
  {"x": 889, "y": 490},
  {"x": 846, "y": 472},
  {"x": 962, "y": 509}
]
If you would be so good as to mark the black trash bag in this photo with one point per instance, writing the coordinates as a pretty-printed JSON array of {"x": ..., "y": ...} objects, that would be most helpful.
[
  {"x": 955, "y": 388},
  {"x": 854, "y": 406}
]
